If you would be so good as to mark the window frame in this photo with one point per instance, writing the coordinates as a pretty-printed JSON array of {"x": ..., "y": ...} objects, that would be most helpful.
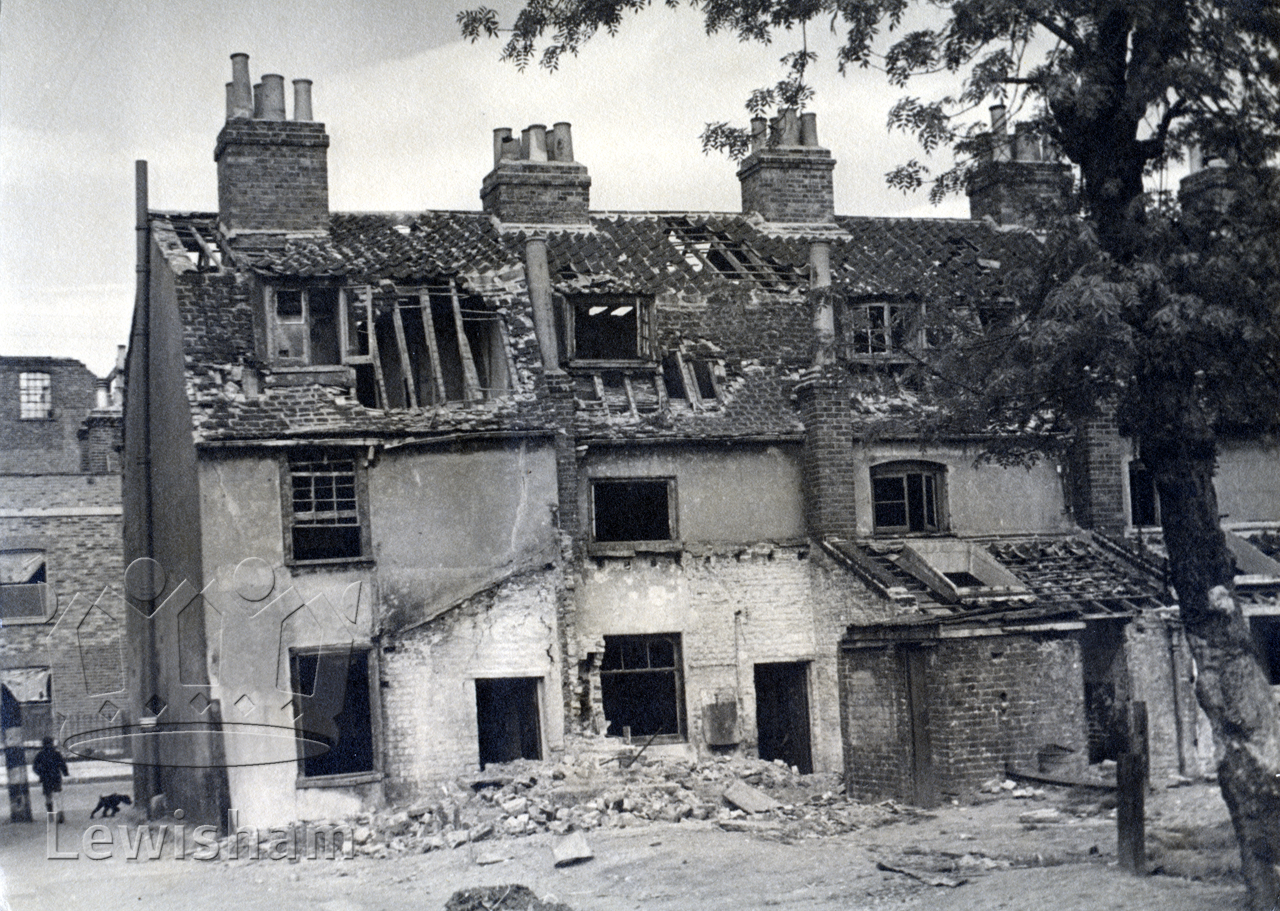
[
  {"x": 929, "y": 472},
  {"x": 643, "y": 327},
  {"x": 288, "y": 518},
  {"x": 387, "y": 379},
  {"x": 630, "y": 545},
  {"x": 37, "y": 404},
  {"x": 373, "y": 671},
  {"x": 901, "y": 328},
  {"x": 678, "y": 673},
  {"x": 48, "y": 600}
]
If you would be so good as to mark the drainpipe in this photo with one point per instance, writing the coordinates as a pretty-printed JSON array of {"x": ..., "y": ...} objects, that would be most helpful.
[
  {"x": 538, "y": 277},
  {"x": 140, "y": 345},
  {"x": 824, "y": 322}
]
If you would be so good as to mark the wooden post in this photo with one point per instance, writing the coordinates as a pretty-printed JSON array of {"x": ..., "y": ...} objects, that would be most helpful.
[
  {"x": 1130, "y": 807},
  {"x": 1132, "y": 773}
]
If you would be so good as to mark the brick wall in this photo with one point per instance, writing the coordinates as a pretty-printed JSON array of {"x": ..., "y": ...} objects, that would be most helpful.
[
  {"x": 990, "y": 701},
  {"x": 428, "y": 676},
  {"x": 537, "y": 192},
  {"x": 789, "y": 185},
  {"x": 830, "y": 469},
  {"x": 273, "y": 175},
  {"x": 44, "y": 445},
  {"x": 733, "y": 608},
  {"x": 1097, "y": 488},
  {"x": 76, "y": 520}
]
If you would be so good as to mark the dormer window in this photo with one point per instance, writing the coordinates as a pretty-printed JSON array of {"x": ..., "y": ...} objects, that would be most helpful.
[
  {"x": 907, "y": 497},
  {"x": 407, "y": 349},
  {"x": 882, "y": 331},
  {"x": 609, "y": 328}
]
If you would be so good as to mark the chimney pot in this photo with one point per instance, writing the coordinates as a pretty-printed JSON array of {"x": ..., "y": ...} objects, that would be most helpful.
[
  {"x": 501, "y": 136},
  {"x": 999, "y": 132},
  {"x": 257, "y": 101},
  {"x": 759, "y": 133},
  {"x": 302, "y": 99},
  {"x": 809, "y": 129},
  {"x": 272, "y": 97},
  {"x": 561, "y": 142},
  {"x": 533, "y": 143},
  {"x": 1026, "y": 143},
  {"x": 789, "y": 128},
  {"x": 240, "y": 96}
]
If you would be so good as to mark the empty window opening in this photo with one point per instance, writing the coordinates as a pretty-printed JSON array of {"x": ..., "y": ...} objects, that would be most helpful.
[
  {"x": 507, "y": 718},
  {"x": 1144, "y": 502},
  {"x": 1266, "y": 634},
  {"x": 702, "y": 376},
  {"x": 326, "y": 513},
  {"x": 673, "y": 377},
  {"x": 27, "y": 695},
  {"x": 633, "y": 510},
  {"x": 408, "y": 351},
  {"x": 609, "y": 328},
  {"x": 642, "y": 686},
  {"x": 35, "y": 396},
  {"x": 23, "y": 585},
  {"x": 906, "y": 497},
  {"x": 333, "y": 705},
  {"x": 782, "y": 714}
]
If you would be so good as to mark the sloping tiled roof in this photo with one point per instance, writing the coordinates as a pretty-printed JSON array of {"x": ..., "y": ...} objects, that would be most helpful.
[
  {"x": 1074, "y": 576},
  {"x": 728, "y": 288}
]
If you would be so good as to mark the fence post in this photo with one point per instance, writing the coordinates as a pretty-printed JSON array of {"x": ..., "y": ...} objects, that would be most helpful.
[{"x": 1132, "y": 771}]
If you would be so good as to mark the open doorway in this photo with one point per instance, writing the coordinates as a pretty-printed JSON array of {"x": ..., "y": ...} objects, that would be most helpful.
[
  {"x": 782, "y": 713},
  {"x": 507, "y": 716}
]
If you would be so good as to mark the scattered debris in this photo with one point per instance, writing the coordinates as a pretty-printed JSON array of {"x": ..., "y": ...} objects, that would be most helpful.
[
  {"x": 749, "y": 799},
  {"x": 514, "y": 897},
  {"x": 924, "y": 876}
]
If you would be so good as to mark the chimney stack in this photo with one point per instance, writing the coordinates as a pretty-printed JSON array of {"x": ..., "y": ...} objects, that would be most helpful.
[
  {"x": 535, "y": 179},
  {"x": 1020, "y": 179},
  {"x": 273, "y": 173},
  {"x": 787, "y": 177}
]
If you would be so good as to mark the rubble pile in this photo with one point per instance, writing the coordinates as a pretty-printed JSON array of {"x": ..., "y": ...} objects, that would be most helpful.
[{"x": 579, "y": 794}]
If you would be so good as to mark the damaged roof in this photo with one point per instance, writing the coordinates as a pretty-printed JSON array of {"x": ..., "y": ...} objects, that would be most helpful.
[
  {"x": 1078, "y": 576},
  {"x": 729, "y": 296}
]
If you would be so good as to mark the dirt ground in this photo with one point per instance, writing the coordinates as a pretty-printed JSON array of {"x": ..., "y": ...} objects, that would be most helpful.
[{"x": 1049, "y": 848}]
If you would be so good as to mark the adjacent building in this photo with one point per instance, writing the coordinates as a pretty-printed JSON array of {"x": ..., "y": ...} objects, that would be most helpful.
[{"x": 409, "y": 494}]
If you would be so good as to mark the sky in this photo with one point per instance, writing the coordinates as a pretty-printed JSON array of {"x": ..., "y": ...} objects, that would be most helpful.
[{"x": 87, "y": 87}]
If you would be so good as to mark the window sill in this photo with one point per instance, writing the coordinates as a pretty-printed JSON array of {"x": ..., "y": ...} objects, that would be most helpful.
[
  {"x": 631, "y": 548},
  {"x": 332, "y": 563},
  {"x": 339, "y": 781}
]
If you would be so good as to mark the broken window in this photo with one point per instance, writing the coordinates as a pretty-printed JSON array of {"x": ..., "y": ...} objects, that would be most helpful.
[
  {"x": 1144, "y": 502},
  {"x": 881, "y": 329},
  {"x": 703, "y": 247},
  {"x": 413, "y": 350},
  {"x": 609, "y": 327},
  {"x": 633, "y": 510},
  {"x": 642, "y": 686},
  {"x": 507, "y": 718},
  {"x": 23, "y": 586},
  {"x": 686, "y": 378},
  {"x": 333, "y": 707},
  {"x": 35, "y": 396},
  {"x": 1266, "y": 634},
  {"x": 324, "y": 507},
  {"x": 906, "y": 497}
]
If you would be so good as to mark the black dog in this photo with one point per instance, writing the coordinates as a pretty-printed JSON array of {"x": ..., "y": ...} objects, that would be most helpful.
[{"x": 110, "y": 805}]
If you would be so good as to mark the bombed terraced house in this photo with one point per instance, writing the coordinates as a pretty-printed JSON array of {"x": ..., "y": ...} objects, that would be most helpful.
[{"x": 411, "y": 494}]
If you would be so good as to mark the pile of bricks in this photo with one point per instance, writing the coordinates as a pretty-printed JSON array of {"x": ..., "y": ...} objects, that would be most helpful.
[{"x": 582, "y": 794}]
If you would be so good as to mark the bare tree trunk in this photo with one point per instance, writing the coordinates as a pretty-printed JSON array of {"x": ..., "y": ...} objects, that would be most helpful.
[{"x": 1232, "y": 687}]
